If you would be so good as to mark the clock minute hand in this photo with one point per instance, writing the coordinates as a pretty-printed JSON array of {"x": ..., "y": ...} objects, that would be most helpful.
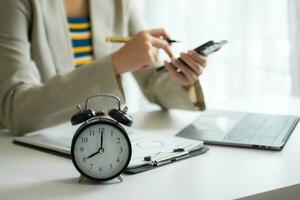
[{"x": 101, "y": 146}]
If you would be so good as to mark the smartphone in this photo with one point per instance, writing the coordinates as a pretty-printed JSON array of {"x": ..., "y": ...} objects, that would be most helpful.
[{"x": 204, "y": 50}]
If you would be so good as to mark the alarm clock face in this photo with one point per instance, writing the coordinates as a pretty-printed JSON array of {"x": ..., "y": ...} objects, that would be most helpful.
[{"x": 101, "y": 150}]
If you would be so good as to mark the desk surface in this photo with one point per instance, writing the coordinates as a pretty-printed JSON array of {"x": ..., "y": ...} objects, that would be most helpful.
[{"x": 222, "y": 173}]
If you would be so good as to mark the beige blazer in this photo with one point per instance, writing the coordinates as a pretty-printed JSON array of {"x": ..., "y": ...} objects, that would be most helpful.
[{"x": 39, "y": 84}]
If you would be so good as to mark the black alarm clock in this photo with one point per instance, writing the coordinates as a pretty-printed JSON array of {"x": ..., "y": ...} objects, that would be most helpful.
[{"x": 101, "y": 149}]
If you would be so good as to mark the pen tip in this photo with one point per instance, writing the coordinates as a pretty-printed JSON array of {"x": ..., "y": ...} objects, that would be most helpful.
[{"x": 172, "y": 41}]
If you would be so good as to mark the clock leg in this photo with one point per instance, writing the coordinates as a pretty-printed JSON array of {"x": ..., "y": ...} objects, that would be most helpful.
[
  {"x": 80, "y": 179},
  {"x": 120, "y": 178}
]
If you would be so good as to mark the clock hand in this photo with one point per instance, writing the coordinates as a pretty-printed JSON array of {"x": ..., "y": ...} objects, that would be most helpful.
[
  {"x": 92, "y": 155},
  {"x": 101, "y": 146},
  {"x": 101, "y": 151}
]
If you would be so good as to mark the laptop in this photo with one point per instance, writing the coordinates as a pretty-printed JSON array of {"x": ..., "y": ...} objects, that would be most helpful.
[{"x": 255, "y": 130}]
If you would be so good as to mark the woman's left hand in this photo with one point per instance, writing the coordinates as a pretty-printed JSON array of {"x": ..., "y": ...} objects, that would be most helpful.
[{"x": 187, "y": 75}]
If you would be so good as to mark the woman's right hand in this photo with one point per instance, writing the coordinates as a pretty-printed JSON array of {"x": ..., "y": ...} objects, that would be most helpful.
[{"x": 140, "y": 51}]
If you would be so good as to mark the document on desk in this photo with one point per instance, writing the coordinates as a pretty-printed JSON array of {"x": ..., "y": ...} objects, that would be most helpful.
[{"x": 148, "y": 150}]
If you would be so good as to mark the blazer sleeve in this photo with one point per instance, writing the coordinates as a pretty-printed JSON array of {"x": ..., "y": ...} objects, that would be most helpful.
[
  {"x": 27, "y": 103},
  {"x": 162, "y": 88}
]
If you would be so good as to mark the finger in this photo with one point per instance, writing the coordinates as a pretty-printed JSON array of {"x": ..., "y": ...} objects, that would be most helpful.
[
  {"x": 178, "y": 76},
  {"x": 155, "y": 54},
  {"x": 159, "y": 32},
  {"x": 186, "y": 70},
  {"x": 197, "y": 68},
  {"x": 162, "y": 44},
  {"x": 150, "y": 57},
  {"x": 188, "y": 73},
  {"x": 198, "y": 58},
  {"x": 153, "y": 59}
]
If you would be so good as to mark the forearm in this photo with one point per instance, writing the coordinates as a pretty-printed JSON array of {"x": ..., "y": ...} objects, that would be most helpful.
[{"x": 30, "y": 106}]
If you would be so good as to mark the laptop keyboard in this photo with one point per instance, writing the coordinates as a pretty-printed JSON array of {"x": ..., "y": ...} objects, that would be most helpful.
[{"x": 260, "y": 128}]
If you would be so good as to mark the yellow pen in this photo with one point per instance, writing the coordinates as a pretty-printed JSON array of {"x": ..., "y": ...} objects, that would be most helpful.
[
  {"x": 112, "y": 39},
  {"x": 117, "y": 39}
]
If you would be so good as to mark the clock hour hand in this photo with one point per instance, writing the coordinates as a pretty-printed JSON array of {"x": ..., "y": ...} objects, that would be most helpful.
[
  {"x": 99, "y": 151},
  {"x": 92, "y": 155}
]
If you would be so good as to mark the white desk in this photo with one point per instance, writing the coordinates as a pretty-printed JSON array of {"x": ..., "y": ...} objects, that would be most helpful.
[{"x": 222, "y": 173}]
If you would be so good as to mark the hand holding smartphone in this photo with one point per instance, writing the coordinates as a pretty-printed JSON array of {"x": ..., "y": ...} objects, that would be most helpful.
[{"x": 204, "y": 50}]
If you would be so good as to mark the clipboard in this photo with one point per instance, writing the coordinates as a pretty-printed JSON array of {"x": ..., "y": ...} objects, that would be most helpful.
[
  {"x": 158, "y": 163},
  {"x": 151, "y": 151}
]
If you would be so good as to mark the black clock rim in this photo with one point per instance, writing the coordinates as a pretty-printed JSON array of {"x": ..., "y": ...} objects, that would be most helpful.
[{"x": 100, "y": 121}]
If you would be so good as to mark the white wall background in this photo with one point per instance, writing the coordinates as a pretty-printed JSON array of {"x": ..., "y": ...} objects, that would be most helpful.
[{"x": 256, "y": 60}]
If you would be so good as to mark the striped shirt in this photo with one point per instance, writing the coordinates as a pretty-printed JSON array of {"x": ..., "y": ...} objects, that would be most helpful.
[{"x": 81, "y": 36}]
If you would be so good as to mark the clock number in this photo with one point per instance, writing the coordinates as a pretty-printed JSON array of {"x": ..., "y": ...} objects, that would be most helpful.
[
  {"x": 84, "y": 140},
  {"x": 101, "y": 130},
  {"x": 111, "y": 133},
  {"x": 91, "y": 165},
  {"x": 84, "y": 159},
  {"x": 118, "y": 140},
  {"x": 92, "y": 133},
  {"x": 100, "y": 169},
  {"x": 81, "y": 149},
  {"x": 118, "y": 159},
  {"x": 121, "y": 149},
  {"x": 110, "y": 166}
]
